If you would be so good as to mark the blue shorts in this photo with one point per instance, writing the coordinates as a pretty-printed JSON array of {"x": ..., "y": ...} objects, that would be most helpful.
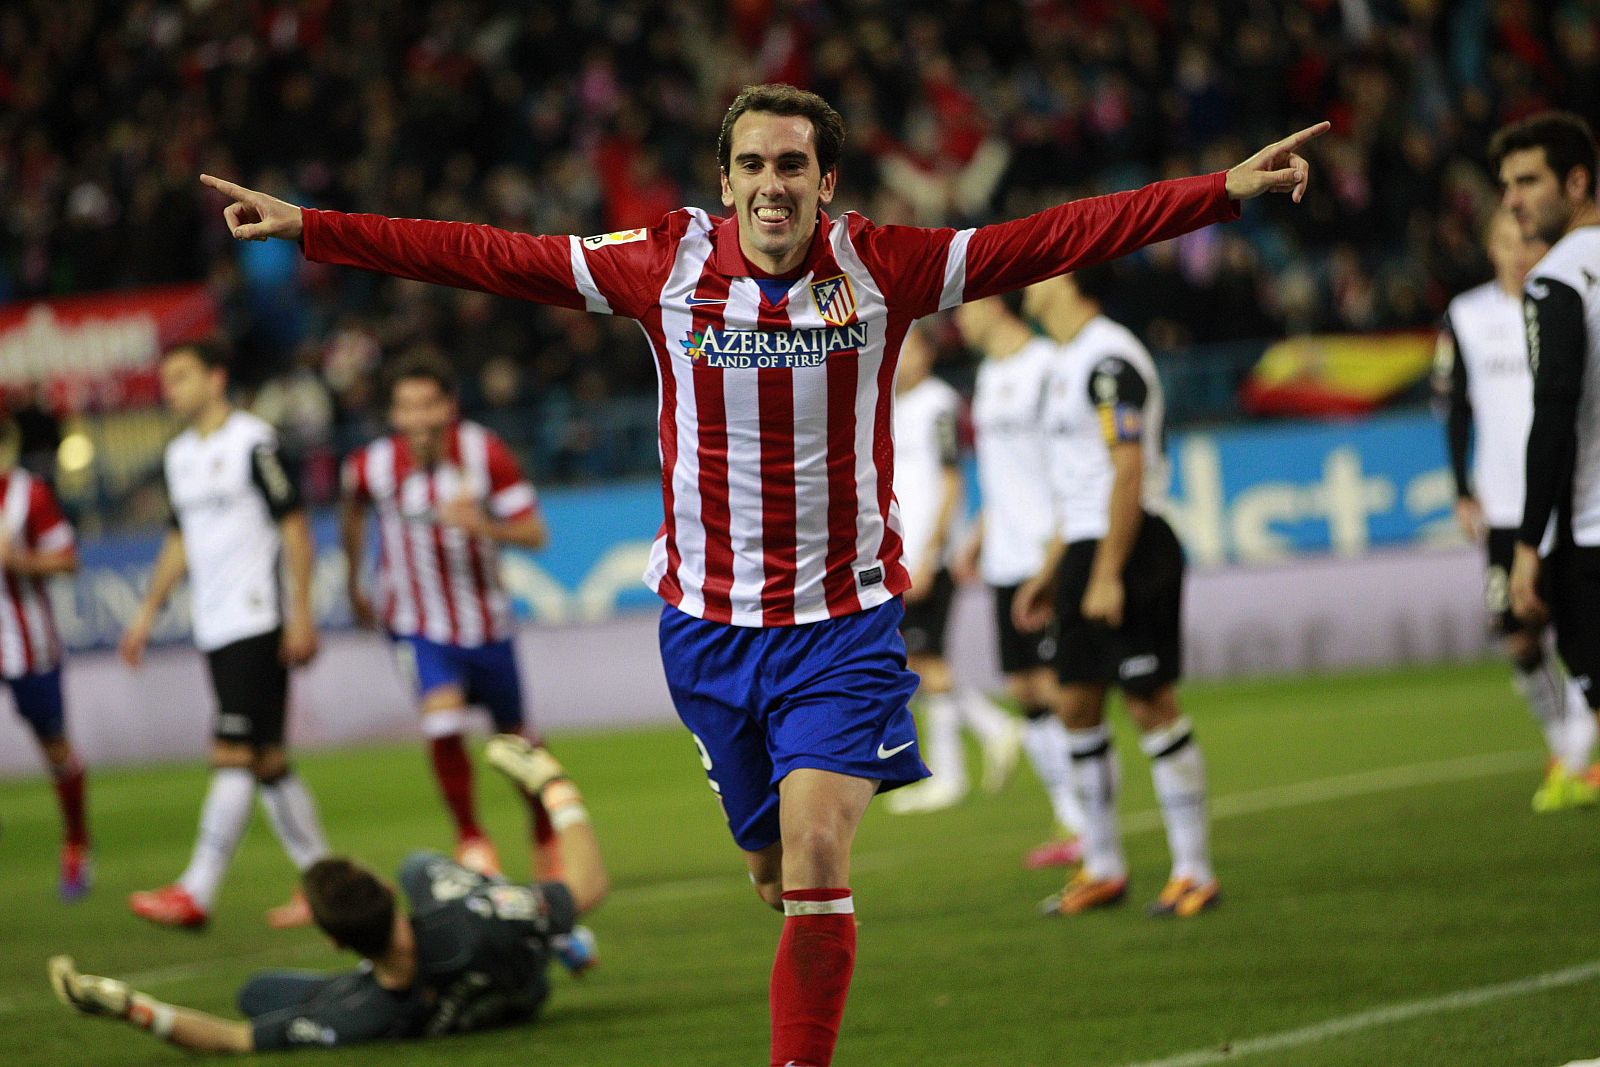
[
  {"x": 38, "y": 698},
  {"x": 487, "y": 675},
  {"x": 830, "y": 695}
]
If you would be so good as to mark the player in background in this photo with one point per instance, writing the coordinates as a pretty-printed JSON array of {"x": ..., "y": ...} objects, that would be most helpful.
[
  {"x": 1546, "y": 164},
  {"x": 1011, "y": 536},
  {"x": 1481, "y": 375},
  {"x": 1113, "y": 577},
  {"x": 447, "y": 494},
  {"x": 471, "y": 954},
  {"x": 928, "y": 490},
  {"x": 36, "y": 544},
  {"x": 235, "y": 515},
  {"x": 775, "y": 333}
]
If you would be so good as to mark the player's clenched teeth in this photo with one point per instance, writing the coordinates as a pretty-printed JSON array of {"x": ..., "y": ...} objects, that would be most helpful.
[{"x": 772, "y": 214}]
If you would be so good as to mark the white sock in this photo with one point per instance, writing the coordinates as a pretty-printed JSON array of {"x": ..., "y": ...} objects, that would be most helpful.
[
  {"x": 1179, "y": 772},
  {"x": 1045, "y": 741},
  {"x": 293, "y": 815},
  {"x": 1096, "y": 776},
  {"x": 223, "y": 818},
  {"x": 1578, "y": 743},
  {"x": 983, "y": 718},
  {"x": 946, "y": 758},
  {"x": 1547, "y": 700}
]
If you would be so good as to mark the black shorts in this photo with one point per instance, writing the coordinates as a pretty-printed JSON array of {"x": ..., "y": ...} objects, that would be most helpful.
[
  {"x": 1020, "y": 651},
  {"x": 1501, "y": 549},
  {"x": 1145, "y": 653},
  {"x": 252, "y": 687},
  {"x": 1570, "y": 586},
  {"x": 924, "y": 625}
]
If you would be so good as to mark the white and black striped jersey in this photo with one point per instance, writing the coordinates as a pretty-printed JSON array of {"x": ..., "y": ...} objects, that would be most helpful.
[
  {"x": 1103, "y": 390},
  {"x": 1562, "y": 311},
  {"x": 1007, "y": 408},
  {"x": 926, "y": 443},
  {"x": 228, "y": 489},
  {"x": 1481, "y": 372}
]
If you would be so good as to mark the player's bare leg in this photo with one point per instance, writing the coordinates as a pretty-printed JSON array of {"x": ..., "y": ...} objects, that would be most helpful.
[
  {"x": 294, "y": 819},
  {"x": 224, "y": 814},
  {"x": 818, "y": 814},
  {"x": 766, "y": 874},
  {"x": 70, "y": 779},
  {"x": 444, "y": 722},
  {"x": 1044, "y": 738},
  {"x": 942, "y": 731},
  {"x": 1179, "y": 772},
  {"x": 1103, "y": 880}
]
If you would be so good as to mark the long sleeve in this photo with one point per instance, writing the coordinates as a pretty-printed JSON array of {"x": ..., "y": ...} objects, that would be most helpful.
[
  {"x": 931, "y": 270},
  {"x": 1556, "y": 350}
]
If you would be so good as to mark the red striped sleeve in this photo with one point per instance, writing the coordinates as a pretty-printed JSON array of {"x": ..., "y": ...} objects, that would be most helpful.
[{"x": 459, "y": 254}]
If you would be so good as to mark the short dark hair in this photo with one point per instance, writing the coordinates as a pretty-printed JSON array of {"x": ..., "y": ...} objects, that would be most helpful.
[
  {"x": 351, "y": 905},
  {"x": 1566, "y": 139},
  {"x": 780, "y": 99},
  {"x": 424, "y": 364},
  {"x": 1096, "y": 282},
  {"x": 212, "y": 352}
]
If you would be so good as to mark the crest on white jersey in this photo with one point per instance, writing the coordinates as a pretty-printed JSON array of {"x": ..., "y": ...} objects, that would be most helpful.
[{"x": 835, "y": 300}]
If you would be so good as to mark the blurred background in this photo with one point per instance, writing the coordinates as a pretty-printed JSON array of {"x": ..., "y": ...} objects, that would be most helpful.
[{"x": 1294, "y": 344}]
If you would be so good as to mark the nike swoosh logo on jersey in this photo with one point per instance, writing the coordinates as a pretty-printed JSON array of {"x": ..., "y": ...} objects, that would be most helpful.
[
  {"x": 700, "y": 301},
  {"x": 885, "y": 753}
]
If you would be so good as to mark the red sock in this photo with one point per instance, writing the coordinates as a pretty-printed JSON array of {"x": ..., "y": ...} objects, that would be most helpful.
[
  {"x": 454, "y": 771},
  {"x": 71, "y": 783},
  {"x": 811, "y": 975}
]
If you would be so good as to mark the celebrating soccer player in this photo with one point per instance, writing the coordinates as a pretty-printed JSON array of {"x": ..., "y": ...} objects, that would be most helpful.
[
  {"x": 1547, "y": 166},
  {"x": 37, "y": 542},
  {"x": 471, "y": 954},
  {"x": 235, "y": 512},
  {"x": 448, "y": 493},
  {"x": 1113, "y": 577},
  {"x": 1481, "y": 373},
  {"x": 775, "y": 334}
]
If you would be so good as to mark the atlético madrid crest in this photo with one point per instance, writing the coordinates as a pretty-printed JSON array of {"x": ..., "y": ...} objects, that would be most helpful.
[{"x": 835, "y": 300}]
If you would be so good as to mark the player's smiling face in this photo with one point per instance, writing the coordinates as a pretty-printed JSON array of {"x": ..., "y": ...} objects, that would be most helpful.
[
  {"x": 775, "y": 186},
  {"x": 1541, "y": 202}
]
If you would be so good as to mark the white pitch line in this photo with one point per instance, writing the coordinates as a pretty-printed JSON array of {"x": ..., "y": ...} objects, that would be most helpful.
[
  {"x": 1367, "y": 1020},
  {"x": 1230, "y": 806}
]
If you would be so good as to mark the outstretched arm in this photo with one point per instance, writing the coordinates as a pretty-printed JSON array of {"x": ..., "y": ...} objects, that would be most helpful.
[
  {"x": 109, "y": 998},
  {"x": 612, "y": 273},
  {"x": 936, "y": 269}
]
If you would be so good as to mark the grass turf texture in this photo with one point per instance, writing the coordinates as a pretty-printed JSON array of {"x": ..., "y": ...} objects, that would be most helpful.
[{"x": 1350, "y": 885}]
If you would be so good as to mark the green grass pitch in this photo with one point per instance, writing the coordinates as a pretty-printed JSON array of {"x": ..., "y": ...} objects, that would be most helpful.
[{"x": 1372, "y": 832}]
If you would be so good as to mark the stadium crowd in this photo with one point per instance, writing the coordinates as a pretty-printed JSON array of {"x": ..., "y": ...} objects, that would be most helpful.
[{"x": 586, "y": 117}]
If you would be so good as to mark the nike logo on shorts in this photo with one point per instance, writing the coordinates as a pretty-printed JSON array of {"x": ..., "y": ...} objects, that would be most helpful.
[{"x": 885, "y": 753}]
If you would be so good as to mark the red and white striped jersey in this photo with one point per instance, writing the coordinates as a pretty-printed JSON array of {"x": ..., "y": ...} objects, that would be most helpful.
[
  {"x": 29, "y": 642},
  {"x": 777, "y": 452},
  {"x": 436, "y": 581}
]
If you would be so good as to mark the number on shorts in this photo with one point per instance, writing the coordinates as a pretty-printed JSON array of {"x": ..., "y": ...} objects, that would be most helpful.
[{"x": 705, "y": 761}]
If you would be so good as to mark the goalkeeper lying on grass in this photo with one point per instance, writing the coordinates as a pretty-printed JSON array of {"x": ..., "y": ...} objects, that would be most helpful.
[{"x": 471, "y": 954}]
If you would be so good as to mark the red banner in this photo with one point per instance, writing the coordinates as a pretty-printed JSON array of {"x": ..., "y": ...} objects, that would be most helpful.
[{"x": 98, "y": 352}]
